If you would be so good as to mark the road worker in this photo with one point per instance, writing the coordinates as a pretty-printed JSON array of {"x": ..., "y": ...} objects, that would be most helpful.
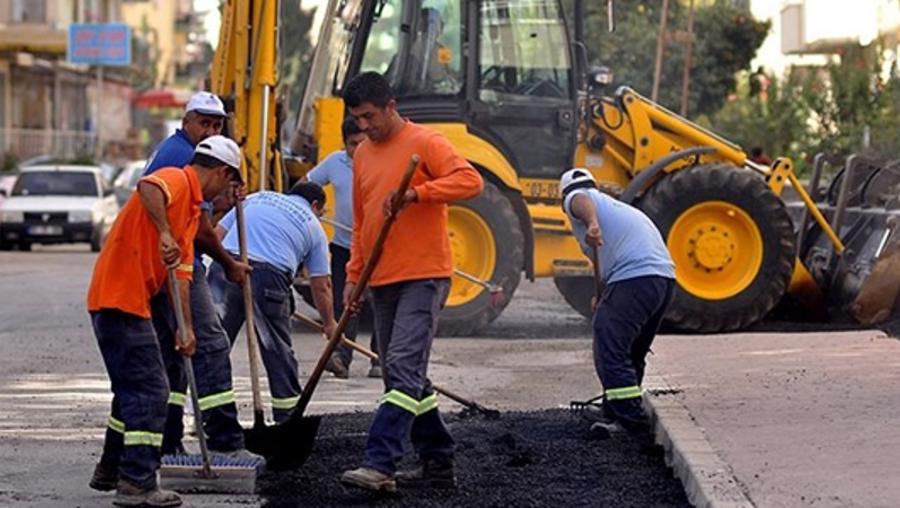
[
  {"x": 154, "y": 232},
  {"x": 283, "y": 231},
  {"x": 639, "y": 278},
  {"x": 337, "y": 170},
  {"x": 410, "y": 282},
  {"x": 204, "y": 117}
]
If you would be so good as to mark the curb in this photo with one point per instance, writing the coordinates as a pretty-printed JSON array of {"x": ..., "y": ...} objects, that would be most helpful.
[{"x": 707, "y": 479}]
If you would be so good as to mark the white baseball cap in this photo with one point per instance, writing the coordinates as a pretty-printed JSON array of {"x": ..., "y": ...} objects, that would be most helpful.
[
  {"x": 574, "y": 176},
  {"x": 222, "y": 149},
  {"x": 206, "y": 103}
]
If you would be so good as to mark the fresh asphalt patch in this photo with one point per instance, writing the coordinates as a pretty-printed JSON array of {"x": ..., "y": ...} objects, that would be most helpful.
[{"x": 522, "y": 459}]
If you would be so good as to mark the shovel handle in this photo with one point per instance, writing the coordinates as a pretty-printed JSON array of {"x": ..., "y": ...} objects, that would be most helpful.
[
  {"x": 368, "y": 268},
  {"x": 598, "y": 277},
  {"x": 252, "y": 344}
]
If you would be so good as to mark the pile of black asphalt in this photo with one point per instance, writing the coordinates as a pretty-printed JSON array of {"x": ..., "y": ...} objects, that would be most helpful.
[{"x": 521, "y": 459}]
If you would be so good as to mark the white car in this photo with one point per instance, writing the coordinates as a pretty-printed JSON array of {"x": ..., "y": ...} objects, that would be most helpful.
[{"x": 57, "y": 204}]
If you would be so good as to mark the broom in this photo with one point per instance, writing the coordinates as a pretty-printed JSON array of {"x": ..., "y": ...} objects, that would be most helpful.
[{"x": 204, "y": 473}]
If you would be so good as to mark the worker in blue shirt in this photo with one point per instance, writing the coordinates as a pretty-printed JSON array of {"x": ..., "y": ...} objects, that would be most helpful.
[
  {"x": 283, "y": 231},
  {"x": 337, "y": 170},
  {"x": 204, "y": 117},
  {"x": 639, "y": 278}
]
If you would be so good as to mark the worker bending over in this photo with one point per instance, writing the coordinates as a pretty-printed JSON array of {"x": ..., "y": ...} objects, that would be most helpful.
[
  {"x": 283, "y": 230},
  {"x": 154, "y": 232},
  {"x": 204, "y": 117},
  {"x": 411, "y": 281},
  {"x": 640, "y": 282},
  {"x": 337, "y": 170}
]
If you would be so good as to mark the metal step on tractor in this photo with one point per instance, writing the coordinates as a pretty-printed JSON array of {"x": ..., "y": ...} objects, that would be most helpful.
[{"x": 509, "y": 85}]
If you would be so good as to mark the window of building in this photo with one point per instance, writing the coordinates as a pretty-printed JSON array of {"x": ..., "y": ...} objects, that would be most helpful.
[{"x": 29, "y": 11}]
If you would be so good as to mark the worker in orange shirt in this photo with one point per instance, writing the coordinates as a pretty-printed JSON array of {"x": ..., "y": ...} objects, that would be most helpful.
[
  {"x": 410, "y": 283},
  {"x": 154, "y": 232}
]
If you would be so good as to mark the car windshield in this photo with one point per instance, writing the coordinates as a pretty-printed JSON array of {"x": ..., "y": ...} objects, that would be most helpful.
[{"x": 56, "y": 183}]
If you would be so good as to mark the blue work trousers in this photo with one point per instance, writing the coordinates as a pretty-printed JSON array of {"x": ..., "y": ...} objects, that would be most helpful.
[
  {"x": 273, "y": 305},
  {"x": 406, "y": 317},
  {"x": 140, "y": 389},
  {"x": 625, "y": 324}
]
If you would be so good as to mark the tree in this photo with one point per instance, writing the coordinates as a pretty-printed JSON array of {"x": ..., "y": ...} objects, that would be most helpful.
[
  {"x": 296, "y": 49},
  {"x": 726, "y": 40}
]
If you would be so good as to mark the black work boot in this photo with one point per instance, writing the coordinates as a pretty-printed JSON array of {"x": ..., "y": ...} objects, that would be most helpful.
[
  {"x": 430, "y": 473},
  {"x": 104, "y": 478}
]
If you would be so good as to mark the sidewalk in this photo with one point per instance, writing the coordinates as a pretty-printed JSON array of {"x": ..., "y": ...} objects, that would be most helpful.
[{"x": 800, "y": 419}]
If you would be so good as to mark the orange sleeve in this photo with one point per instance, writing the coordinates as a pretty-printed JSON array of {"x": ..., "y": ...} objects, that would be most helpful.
[
  {"x": 452, "y": 177},
  {"x": 355, "y": 265},
  {"x": 171, "y": 181}
]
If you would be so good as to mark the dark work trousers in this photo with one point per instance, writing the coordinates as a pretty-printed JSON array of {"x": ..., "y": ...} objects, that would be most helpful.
[
  {"x": 340, "y": 256},
  {"x": 212, "y": 368},
  {"x": 406, "y": 317},
  {"x": 137, "y": 375},
  {"x": 626, "y": 321},
  {"x": 273, "y": 305}
]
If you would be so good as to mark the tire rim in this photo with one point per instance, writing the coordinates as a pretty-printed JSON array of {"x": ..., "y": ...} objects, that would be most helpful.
[
  {"x": 717, "y": 249},
  {"x": 474, "y": 252}
]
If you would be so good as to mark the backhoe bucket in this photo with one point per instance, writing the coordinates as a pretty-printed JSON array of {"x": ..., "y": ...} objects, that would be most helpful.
[{"x": 879, "y": 296}]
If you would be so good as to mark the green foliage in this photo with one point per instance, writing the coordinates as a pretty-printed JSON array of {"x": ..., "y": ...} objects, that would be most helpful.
[
  {"x": 849, "y": 105},
  {"x": 726, "y": 40}
]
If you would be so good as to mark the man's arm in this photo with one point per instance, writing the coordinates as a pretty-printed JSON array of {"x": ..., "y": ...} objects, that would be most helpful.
[
  {"x": 323, "y": 299},
  {"x": 154, "y": 199},
  {"x": 453, "y": 178},
  {"x": 355, "y": 265},
  {"x": 211, "y": 245},
  {"x": 583, "y": 209}
]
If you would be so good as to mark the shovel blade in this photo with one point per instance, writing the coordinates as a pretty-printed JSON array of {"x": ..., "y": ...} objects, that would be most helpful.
[{"x": 286, "y": 445}]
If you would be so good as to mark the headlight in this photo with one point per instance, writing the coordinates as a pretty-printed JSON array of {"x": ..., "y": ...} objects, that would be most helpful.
[
  {"x": 81, "y": 216},
  {"x": 11, "y": 216}
]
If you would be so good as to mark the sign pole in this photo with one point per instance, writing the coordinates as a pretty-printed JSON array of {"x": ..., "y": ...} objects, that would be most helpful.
[{"x": 98, "y": 149}]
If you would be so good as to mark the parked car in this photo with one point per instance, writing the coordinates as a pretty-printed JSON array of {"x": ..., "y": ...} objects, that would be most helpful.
[
  {"x": 127, "y": 180},
  {"x": 58, "y": 204},
  {"x": 6, "y": 185}
]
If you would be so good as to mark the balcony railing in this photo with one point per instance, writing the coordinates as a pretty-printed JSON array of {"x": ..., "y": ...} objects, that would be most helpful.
[{"x": 27, "y": 143}]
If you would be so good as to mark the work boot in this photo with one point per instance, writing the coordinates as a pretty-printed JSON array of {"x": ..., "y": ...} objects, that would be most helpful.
[
  {"x": 598, "y": 412},
  {"x": 375, "y": 371},
  {"x": 370, "y": 479},
  {"x": 105, "y": 478},
  {"x": 128, "y": 494},
  {"x": 430, "y": 473},
  {"x": 336, "y": 366}
]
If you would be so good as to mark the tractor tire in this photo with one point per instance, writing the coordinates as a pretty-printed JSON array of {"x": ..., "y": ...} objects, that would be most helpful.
[
  {"x": 577, "y": 292},
  {"x": 486, "y": 241},
  {"x": 732, "y": 241}
]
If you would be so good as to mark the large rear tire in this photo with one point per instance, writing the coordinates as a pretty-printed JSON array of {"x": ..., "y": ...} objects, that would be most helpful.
[
  {"x": 732, "y": 242},
  {"x": 486, "y": 241},
  {"x": 577, "y": 292}
]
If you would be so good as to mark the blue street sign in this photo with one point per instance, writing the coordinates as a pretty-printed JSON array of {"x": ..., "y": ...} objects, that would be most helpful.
[{"x": 99, "y": 44}]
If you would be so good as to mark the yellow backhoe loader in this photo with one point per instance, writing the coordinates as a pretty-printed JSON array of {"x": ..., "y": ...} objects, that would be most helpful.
[{"x": 511, "y": 89}]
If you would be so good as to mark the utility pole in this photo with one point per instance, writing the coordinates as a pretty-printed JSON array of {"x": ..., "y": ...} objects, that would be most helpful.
[
  {"x": 688, "y": 55},
  {"x": 660, "y": 49}
]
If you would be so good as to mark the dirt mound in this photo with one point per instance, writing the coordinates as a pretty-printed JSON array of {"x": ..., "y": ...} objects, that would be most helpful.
[{"x": 545, "y": 458}]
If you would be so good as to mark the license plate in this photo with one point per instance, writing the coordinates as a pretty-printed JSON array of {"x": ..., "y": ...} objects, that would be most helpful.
[{"x": 45, "y": 230}]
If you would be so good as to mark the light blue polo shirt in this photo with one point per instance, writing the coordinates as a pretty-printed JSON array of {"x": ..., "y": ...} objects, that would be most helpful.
[
  {"x": 632, "y": 245},
  {"x": 282, "y": 230},
  {"x": 337, "y": 169}
]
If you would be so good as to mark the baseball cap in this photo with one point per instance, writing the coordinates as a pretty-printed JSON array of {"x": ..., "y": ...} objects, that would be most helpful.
[
  {"x": 206, "y": 103},
  {"x": 573, "y": 177},
  {"x": 222, "y": 149}
]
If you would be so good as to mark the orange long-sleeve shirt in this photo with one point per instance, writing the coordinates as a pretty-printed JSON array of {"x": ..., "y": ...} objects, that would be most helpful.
[{"x": 417, "y": 246}]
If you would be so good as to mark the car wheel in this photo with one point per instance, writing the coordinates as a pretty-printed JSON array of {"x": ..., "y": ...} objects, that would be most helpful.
[{"x": 25, "y": 246}]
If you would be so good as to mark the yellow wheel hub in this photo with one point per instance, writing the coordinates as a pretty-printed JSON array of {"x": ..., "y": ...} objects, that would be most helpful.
[
  {"x": 717, "y": 249},
  {"x": 474, "y": 252}
]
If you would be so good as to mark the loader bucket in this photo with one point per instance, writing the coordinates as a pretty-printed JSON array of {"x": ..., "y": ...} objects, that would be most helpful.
[{"x": 879, "y": 296}]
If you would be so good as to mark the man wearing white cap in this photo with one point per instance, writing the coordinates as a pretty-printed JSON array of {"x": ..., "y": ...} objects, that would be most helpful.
[
  {"x": 154, "y": 232},
  {"x": 640, "y": 281}
]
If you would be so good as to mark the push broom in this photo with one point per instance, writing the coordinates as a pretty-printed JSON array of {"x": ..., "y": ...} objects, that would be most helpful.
[
  {"x": 288, "y": 444},
  {"x": 216, "y": 473}
]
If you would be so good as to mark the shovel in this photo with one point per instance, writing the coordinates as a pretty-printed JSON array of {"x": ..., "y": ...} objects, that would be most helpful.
[
  {"x": 259, "y": 417},
  {"x": 288, "y": 444},
  {"x": 490, "y": 414}
]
